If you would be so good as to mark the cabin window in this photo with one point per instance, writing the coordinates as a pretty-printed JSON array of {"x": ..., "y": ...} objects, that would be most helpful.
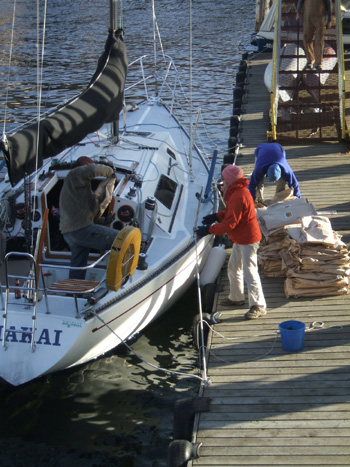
[
  {"x": 171, "y": 153},
  {"x": 165, "y": 191}
]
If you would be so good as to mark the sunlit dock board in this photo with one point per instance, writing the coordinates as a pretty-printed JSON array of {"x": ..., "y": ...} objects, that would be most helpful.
[{"x": 269, "y": 406}]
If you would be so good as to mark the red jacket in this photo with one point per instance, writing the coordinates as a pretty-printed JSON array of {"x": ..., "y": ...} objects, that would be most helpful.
[{"x": 239, "y": 219}]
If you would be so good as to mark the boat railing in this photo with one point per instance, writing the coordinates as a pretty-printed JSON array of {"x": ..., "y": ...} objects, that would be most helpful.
[
  {"x": 159, "y": 78},
  {"x": 30, "y": 291},
  {"x": 27, "y": 289},
  {"x": 74, "y": 288}
]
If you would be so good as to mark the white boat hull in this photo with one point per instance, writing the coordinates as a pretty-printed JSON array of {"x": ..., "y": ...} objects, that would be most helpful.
[{"x": 62, "y": 342}]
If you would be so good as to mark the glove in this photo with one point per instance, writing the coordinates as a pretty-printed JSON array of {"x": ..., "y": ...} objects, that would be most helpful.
[
  {"x": 209, "y": 219},
  {"x": 109, "y": 218},
  {"x": 106, "y": 220},
  {"x": 202, "y": 231}
]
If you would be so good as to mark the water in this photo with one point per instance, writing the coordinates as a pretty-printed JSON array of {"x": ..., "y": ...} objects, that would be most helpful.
[{"x": 114, "y": 408}]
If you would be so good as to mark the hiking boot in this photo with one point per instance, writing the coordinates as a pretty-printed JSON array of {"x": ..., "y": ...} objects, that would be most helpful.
[
  {"x": 255, "y": 312},
  {"x": 228, "y": 302}
]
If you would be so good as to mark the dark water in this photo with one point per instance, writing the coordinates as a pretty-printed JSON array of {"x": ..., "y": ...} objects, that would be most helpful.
[{"x": 114, "y": 411}]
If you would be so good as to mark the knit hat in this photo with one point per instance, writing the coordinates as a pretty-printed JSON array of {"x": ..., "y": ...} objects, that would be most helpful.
[
  {"x": 84, "y": 160},
  {"x": 274, "y": 172},
  {"x": 232, "y": 173}
]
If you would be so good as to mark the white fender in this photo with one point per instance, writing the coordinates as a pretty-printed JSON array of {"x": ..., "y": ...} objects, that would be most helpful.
[{"x": 213, "y": 265}]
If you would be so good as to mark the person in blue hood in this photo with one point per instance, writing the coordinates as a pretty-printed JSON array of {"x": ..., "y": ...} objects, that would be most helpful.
[{"x": 271, "y": 162}]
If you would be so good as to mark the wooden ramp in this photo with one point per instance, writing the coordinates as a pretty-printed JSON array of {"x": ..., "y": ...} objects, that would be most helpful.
[{"x": 269, "y": 406}]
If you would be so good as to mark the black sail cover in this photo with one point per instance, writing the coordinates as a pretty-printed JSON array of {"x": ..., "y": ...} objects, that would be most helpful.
[{"x": 100, "y": 103}]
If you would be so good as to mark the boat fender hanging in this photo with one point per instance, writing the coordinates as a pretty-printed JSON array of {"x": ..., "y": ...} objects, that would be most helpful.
[
  {"x": 234, "y": 121},
  {"x": 240, "y": 77},
  {"x": 228, "y": 159},
  {"x": 243, "y": 65},
  {"x": 237, "y": 104},
  {"x": 196, "y": 330},
  {"x": 124, "y": 257},
  {"x": 183, "y": 419},
  {"x": 181, "y": 451},
  {"x": 233, "y": 132},
  {"x": 231, "y": 144},
  {"x": 184, "y": 415},
  {"x": 238, "y": 93},
  {"x": 213, "y": 265},
  {"x": 208, "y": 292}
]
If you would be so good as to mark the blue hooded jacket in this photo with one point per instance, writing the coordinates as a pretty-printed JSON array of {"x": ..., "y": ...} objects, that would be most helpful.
[{"x": 266, "y": 155}]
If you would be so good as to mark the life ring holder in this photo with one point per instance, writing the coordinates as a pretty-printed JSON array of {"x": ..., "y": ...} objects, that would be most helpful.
[{"x": 124, "y": 257}]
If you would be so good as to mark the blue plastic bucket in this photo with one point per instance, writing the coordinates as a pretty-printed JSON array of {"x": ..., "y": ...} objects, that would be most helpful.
[{"x": 292, "y": 335}]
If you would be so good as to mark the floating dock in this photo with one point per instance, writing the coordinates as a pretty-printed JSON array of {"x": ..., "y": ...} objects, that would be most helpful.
[{"x": 268, "y": 406}]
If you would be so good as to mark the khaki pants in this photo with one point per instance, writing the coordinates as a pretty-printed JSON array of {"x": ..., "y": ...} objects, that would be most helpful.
[
  {"x": 314, "y": 24},
  {"x": 243, "y": 267},
  {"x": 280, "y": 186}
]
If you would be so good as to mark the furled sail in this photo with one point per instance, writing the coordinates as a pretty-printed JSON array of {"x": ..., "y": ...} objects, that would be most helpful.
[{"x": 100, "y": 103}]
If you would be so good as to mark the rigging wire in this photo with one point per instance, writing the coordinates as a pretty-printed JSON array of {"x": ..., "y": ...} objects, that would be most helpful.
[
  {"x": 190, "y": 93},
  {"x": 9, "y": 67},
  {"x": 39, "y": 85},
  {"x": 155, "y": 46},
  {"x": 202, "y": 347}
]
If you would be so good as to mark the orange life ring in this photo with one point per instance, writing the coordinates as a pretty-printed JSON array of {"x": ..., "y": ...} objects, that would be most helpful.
[{"x": 124, "y": 257}]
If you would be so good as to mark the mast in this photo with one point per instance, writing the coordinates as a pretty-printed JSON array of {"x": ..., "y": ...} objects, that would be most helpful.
[{"x": 116, "y": 22}]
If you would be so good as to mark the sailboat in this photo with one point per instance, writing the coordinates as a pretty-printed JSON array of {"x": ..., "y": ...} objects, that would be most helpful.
[{"x": 163, "y": 187}]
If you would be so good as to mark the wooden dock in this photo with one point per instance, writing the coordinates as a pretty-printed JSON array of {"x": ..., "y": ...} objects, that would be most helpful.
[{"x": 269, "y": 406}]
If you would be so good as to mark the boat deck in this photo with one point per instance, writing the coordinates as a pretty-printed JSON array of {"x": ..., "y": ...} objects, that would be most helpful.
[{"x": 269, "y": 406}]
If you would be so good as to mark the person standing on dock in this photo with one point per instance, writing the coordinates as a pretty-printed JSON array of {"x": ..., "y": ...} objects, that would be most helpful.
[
  {"x": 271, "y": 161},
  {"x": 315, "y": 21},
  {"x": 238, "y": 220}
]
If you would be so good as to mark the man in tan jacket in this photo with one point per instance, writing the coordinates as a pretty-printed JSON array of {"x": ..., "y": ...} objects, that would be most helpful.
[{"x": 80, "y": 223}]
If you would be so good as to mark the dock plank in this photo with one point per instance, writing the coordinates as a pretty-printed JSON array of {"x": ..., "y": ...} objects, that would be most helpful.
[{"x": 269, "y": 407}]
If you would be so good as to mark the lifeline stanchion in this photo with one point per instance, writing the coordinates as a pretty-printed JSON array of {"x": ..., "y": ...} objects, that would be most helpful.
[{"x": 201, "y": 347}]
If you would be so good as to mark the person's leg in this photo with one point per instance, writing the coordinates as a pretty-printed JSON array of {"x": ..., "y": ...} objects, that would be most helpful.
[
  {"x": 79, "y": 258},
  {"x": 235, "y": 275},
  {"x": 251, "y": 275},
  {"x": 308, "y": 35},
  {"x": 97, "y": 237},
  {"x": 320, "y": 24},
  {"x": 259, "y": 195},
  {"x": 80, "y": 242},
  {"x": 280, "y": 185}
]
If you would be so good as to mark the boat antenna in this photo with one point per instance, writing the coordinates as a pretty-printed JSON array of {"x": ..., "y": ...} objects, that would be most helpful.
[{"x": 116, "y": 22}]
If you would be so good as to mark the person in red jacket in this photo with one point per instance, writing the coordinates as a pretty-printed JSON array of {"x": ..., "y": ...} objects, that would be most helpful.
[{"x": 238, "y": 220}]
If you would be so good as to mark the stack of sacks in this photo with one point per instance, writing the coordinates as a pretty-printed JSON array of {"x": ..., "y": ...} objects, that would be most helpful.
[
  {"x": 316, "y": 261},
  {"x": 269, "y": 258},
  {"x": 273, "y": 221}
]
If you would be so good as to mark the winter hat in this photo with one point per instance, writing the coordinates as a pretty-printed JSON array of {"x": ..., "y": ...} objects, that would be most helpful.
[
  {"x": 84, "y": 160},
  {"x": 274, "y": 172},
  {"x": 231, "y": 174}
]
